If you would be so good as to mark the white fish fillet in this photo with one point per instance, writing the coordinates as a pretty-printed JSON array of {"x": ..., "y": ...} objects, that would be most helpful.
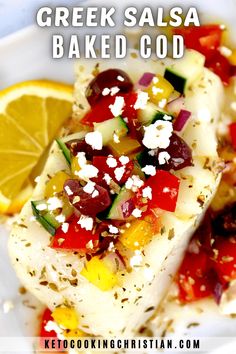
[{"x": 104, "y": 313}]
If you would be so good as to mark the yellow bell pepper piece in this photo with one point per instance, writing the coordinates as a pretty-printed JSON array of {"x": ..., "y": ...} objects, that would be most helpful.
[
  {"x": 66, "y": 317},
  {"x": 232, "y": 57},
  {"x": 55, "y": 184},
  {"x": 75, "y": 167},
  {"x": 126, "y": 146},
  {"x": 159, "y": 89},
  {"x": 138, "y": 235},
  {"x": 97, "y": 272}
]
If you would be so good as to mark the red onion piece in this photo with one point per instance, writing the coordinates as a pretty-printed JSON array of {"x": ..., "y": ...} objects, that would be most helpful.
[
  {"x": 181, "y": 120},
  {"x": 146, "y": 79},
  {"x": 114, "y": 262},
  {"x": 174, "y": 107},
  {"x": 217, "y": 292},
  {"x": 127, "y": 207}
]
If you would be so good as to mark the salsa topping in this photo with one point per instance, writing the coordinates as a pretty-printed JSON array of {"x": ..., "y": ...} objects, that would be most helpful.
[
  {"x": 121, "y": 175},
  {"x": 209, "y": 263}
]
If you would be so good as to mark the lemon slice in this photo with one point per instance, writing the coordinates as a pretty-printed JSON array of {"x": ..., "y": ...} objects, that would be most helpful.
[{"x": 31, "y": 114}]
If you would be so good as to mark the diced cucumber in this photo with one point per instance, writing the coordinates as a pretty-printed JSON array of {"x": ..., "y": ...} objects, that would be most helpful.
[
  {"x": 64, "y": 149},
  {"x": 137, "y": 171},
  {"x": 150, "y": 114},
  {"x": 185, "y": 71},
  {"x": 115, "y": 212},
  {"x": 45, "y": 217},
  {"x": 110, "y": 127},
  {"x": 144, "y": 158},
  {"x": 141, "y": 157},
  {"x": 78, "y": 135}
]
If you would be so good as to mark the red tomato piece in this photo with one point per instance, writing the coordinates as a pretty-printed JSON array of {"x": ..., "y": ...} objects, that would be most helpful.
[
  {"x": 220, "y": 66},
  {"x": 46, "y": 317},
  {"x": 225, "y": 258},
  {"x": 192, "y": 279},
  {"x": 165, "y": 188},
  {"x": 131, "y": 114},
  {"x": 75, "y": 239},
  {"x": 100, "y": 111},
  {"x": 101, "y": 163},
  {"x": 205, "y": 39},
  {"x": 232, "y": 131}
]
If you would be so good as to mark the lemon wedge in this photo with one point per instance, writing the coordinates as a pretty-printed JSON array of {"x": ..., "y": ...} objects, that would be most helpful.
[{"x": 31, "y": 114}]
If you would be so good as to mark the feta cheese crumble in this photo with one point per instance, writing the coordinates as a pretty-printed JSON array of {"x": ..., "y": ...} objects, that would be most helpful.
[
  {"x": 156, "y": 90},
  {"x": 141, "y": 101},
  {"x": 87, "y": 172},
  {"x": 166, "y": 117},
  {"x": 149, "y": 170},
  {"x": 81, "y": 159},
  {"x": 163, "y": 157},
  {"x": 162, "y": 103},
  {"x": 41, "y": 207},
  {"x": 157, "y": 135},
  {"x": 134, "y": 183},
  {"x": 111, "y": 161},
  {"x": 86, "y": 222},
  {"x": 107, "y": 178},
  {"x": 119, "y": 172},
  {"x": 89, "y": 187},
  {"x": 114, "y": 90},
  {"x": 94, "y": 139},
  {"x": 113, "y": 230},
  {"x": 136, "y": 260},
  {"x": 54, "y": 203},
  {"x": 53, "y": 326},
  {"x": 65, "y": 227},
  {"x": 116, "y": 138},
  {"x": 117, "y": 107},
  {"x": 147, "y": 192},
  {"x": 137, "y": 213},
  {"x": 95, "y": 194},
  {"x": 106, "y": 91},
  {"x": 60, "y": 218},
  {"x": 124, "y": 160}
]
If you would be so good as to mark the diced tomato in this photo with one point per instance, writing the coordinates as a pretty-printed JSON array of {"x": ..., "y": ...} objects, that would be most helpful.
[
  {"x": 100, "y": 111},
  {"x": 75, "y": 239},
  {"x": 165, "y": 188},
  {"x": 232, "y": 131},
  {"x": 220, "y": 66},
  {"x": 131, "y": 114},
  {"x": 101, "y": 163},
  {"x": 47, "y": 316},
  {"x": 205, "y": 39},
  {"x": 192, "y": 279},
  {"x": 225, "y": 258}
]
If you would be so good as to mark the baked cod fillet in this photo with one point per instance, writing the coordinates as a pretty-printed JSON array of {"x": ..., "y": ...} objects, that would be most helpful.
[{"x": 47, "y": 272}]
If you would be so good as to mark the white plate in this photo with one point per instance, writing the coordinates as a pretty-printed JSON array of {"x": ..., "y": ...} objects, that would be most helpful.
[{"x": 26, "y": 55}]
